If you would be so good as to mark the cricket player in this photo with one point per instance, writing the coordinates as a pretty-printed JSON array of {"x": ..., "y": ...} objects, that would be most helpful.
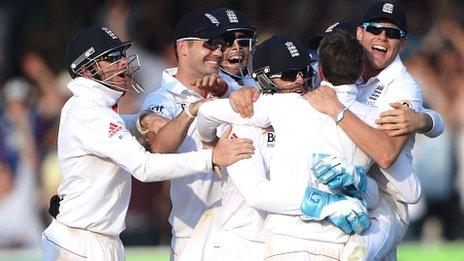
[
  {"x": 297, "y": 140},
  {"x": 94, "y": 147},
  {"x": 386, "y": 81},
  {"x": 240, "y": 38},
  {"x": 199, "y": 47}
]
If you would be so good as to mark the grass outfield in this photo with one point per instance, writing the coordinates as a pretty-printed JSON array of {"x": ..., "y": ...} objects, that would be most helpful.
[
  {"x": 406, "y": 252},
  {"x": 426, "y": 252}
]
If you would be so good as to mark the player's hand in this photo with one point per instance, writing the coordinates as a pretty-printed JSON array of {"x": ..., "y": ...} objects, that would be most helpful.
[
  {"x": 347, "y": 213},
  {"x": 337, "y": 173},
  {"x": 193, "y": 107},
  {"x": 151, "y": 122},
  {"x": 402, "y": 120},
  {"x": 324, "y": 99},
  {"x": 242, "y": 100},
  {"x": 212, "y": 84},
  {"x": 228, "y": 151}
]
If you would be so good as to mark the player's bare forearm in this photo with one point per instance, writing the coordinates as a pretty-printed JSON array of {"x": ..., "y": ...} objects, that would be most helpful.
[
  {"x": 170, "y": 137},
  {"x": 382, "y": 148}
]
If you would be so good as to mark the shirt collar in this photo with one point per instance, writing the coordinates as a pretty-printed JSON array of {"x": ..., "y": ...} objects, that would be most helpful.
[
  {"x": 84, "y": 87},
  {"x": 346, "y": 93},
  {"x": 389, "y": 73},
  {"x": 171, "y": 84}
]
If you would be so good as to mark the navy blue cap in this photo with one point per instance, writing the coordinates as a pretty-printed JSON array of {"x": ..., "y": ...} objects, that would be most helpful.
[
  {"x": 315, "y": 41},
  {"x": 198, "y": 25},
  {"x": 279, "y": 54},
  {"x": 90, "y": 43},
  {"x": 233, "y": 20},
  {"x": 386, "y": 10}
]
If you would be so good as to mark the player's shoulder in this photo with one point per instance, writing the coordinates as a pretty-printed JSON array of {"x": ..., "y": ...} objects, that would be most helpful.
[
  {"x": 161, "y": 102},
  {"x": 161, "y": 95},
  {"x": 405, "y": 88}
]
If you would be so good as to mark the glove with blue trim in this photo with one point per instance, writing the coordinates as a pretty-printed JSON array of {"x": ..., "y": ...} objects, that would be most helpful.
[
  {"x": 347, "y": 213},
  {"x": 337, "y": 173}
]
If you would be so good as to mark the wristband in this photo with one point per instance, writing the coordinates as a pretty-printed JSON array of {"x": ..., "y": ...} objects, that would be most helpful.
[
  {"x": 187, "y": 111},
  {"x": 139, "y": 126},
  {"x": 340, "y": 115}
]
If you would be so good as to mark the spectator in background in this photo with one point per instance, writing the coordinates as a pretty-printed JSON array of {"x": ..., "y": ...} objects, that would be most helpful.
[
  {"x": 18, "y": 193},
  {"x": 438, "y": 65}
]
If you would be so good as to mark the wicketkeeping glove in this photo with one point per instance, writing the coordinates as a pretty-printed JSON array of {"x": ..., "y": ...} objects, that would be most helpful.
[
  {"x": 337, "y": 173},
  {"x": 347, "y": 213}
]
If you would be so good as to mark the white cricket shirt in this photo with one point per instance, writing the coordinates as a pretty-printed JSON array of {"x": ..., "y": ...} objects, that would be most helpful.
[
  {"x": 93, "y": 147},
  {"x": 300, "y": 131},
  {"x": 190, "y": 196}
]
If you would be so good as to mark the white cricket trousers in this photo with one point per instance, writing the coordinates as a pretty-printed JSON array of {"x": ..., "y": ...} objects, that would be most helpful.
[{"x": 60, "y": 242}]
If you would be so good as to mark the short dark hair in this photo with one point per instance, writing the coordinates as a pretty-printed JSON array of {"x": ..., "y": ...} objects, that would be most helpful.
[{"x": 341, "y": 58}]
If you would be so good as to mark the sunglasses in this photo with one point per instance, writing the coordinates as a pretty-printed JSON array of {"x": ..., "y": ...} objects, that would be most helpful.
[
  {"x": 390, "y": 32},
  {"x": 212, "y": 44},
  {"x": 240, "y": 40},
  {"x": 114, "y": 56},
  {"x": 292, "y": 75}
]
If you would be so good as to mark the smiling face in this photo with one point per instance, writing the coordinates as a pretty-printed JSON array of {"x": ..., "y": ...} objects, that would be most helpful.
[
  {"x": 202, "y": 58},
  {"x": 381, "y": 49},
  {"x": 237, "y": 52}
]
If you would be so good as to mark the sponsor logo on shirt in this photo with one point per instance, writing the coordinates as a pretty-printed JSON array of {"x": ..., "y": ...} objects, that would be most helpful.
[
  {"x": 270, "y": 137},
  {"x": 113, "y": 129},
  {"x": 157, "y": 108}
]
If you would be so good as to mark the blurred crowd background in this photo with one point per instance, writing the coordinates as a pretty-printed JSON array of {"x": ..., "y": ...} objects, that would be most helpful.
[{"x": 33, "y": 77}]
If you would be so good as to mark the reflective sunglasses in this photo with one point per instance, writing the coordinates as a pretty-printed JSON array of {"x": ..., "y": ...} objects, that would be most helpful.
[
  {"x": 390, "y": 32},
  {"x": 291, "y": 75},
  {"x": 212, "y": 44},
  {"x": 114, "y": 56}
]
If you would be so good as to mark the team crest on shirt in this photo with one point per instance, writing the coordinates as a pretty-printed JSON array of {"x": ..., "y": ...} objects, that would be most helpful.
[
  {"x": 375, "y": 95},
  {"x": 113, "y": 129}
]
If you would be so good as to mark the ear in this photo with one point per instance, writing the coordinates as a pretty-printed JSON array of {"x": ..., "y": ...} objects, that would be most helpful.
[
  {"x": 403, "y": 43},
  {"x": 359, "y": 33},
  {"x": 182, "y": 48}
]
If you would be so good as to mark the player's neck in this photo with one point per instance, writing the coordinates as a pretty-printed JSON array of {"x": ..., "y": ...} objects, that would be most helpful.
[{"x": 188, "y": 79}]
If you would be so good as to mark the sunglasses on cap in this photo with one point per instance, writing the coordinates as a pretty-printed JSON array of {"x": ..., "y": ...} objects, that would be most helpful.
[
  {"x": 212, "y": 44},
  {"x": 114, "y": 56},
  {"x": 390, "y": 32},
  {"x": 291, "y": 75}
]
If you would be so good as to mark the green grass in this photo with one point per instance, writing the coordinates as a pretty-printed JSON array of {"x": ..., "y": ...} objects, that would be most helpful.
[
  {"x": 426, "y": 252},
  {"x": 406, "y": 252}
]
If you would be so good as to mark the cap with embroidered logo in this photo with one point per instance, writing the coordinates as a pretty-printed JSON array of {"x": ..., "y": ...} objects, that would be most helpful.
[
  {"x": 386, "y": 10},
  {"x": 279, "y": 54},
  {"x": 232, "y": 20},
  {"x": 198, "y": 25},
  {"x": 90, "y": 43},
  {"x": 315, "y": 41}
]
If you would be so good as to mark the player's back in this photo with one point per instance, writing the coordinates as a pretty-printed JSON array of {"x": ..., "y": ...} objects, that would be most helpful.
[{"x": 301, "y": 131}]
